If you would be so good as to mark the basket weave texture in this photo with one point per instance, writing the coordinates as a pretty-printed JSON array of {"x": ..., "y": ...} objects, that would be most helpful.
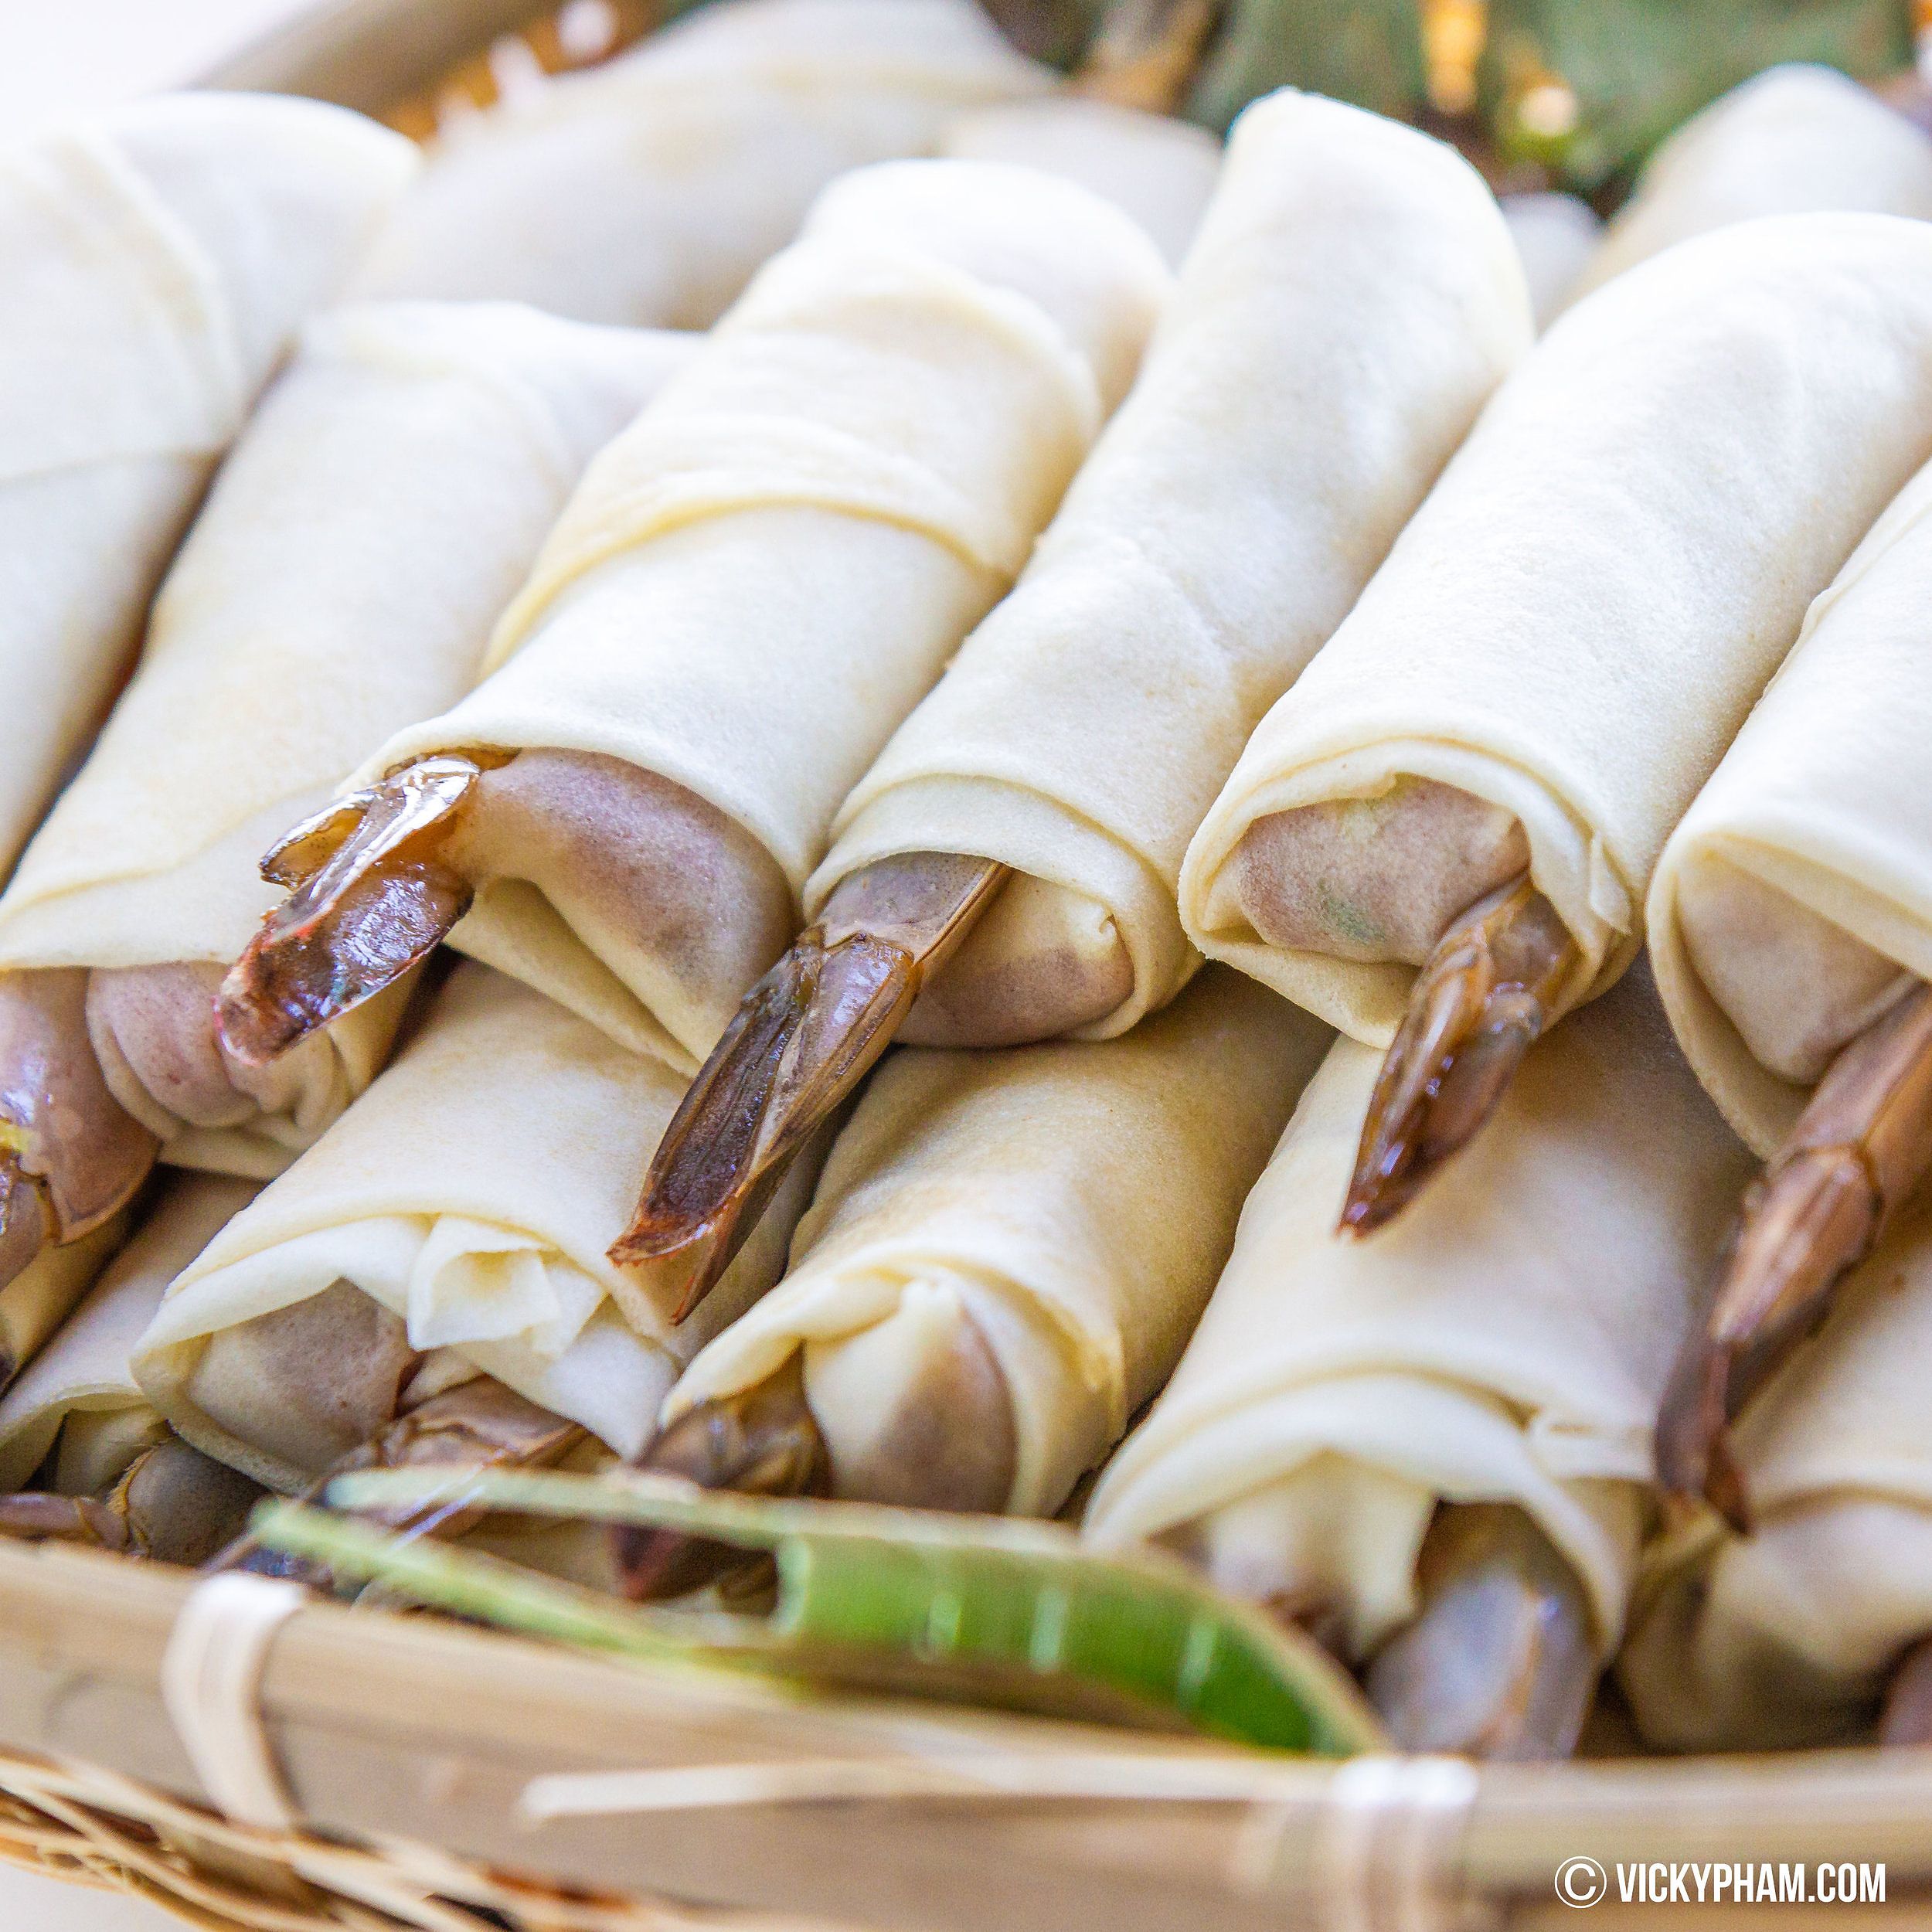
[{"x": 92, "y": 1827}]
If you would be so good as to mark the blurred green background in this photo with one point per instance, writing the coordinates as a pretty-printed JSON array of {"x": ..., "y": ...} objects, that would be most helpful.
[{"x": 1572, "y": 93}]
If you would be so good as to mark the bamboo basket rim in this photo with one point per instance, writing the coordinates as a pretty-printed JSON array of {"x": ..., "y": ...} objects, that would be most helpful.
[
  {"x": 349, "y": 1691},
  {"x": 96, "y": 1787}
]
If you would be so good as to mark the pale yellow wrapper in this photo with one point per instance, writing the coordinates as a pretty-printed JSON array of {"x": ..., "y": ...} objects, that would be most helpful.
[
  {"x": 650, "y": 189},
  {"x": 1076, "y": 1200},
  {"x": 471, "y": 1191},
  {"x": 1822, "y": 798},
  {"x": 83, "y": 1373},
  {"x": 1507, "y": 1340},
  {"x": 158, "y": 262},
  {"x": 1791, "y": 140},
  {"x": 1785, "y": 1639},
  {"x": 758, "y": 580},
  {"x": 380, "y": 511},
  {"x": 1577, "y": 622},
  {"x": 1159, "y": 170},
  {"x": 1350, "y": 303}
]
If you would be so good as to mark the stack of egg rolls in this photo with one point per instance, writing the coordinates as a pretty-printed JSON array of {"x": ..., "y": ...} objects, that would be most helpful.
[
  {"x": 77, "y": 1425},
  {"x": 159, "y": 261},
  {"x": 450, "y": 1226},
  {"x": 1793, "y": 905},
  {"x": 1566, "y": 638},
  {"x": 1788, "y": 142},
  {"x": 1790, "y": 922},
  {"x": 1350, "y": 301},
  {"x": 1506, "y": 1343},
  {"x": 649, "y": 189},
  {"x": 377, "y": 515},
  {"x": 1008, "y": 1250},
  {"x": 1160, "y": 170},
  {"x": 758, "y": 580},
  {"x": 1791, "y": 1637}
]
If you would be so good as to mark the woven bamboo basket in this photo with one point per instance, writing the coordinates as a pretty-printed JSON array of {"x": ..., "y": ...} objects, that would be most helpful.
[{"x": 433, "y": 1776}]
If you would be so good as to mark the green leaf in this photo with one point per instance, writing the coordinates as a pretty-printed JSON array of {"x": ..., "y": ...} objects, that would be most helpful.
[
  {"x": 1369, "y": 52},
  {"x": 1056, "y": 31},
  {"x": 986, "y": 1608},
  {"x": 1636, "y": 69}
]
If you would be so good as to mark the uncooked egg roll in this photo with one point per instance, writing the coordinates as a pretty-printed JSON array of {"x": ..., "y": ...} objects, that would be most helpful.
[
  {"x": 157, "y": 261},
  {"x": 649, "y": 189},
  {"x": 450, "y": 1226},
  {"x": 1008, "y": 1251}
]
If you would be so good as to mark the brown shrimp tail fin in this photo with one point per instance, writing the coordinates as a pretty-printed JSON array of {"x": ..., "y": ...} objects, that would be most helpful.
[
  {"x": 478, "y": 1425},
  {"x": 1859, "y": 1149},
  {"x": 763, "y": 1440},
  {"x": 807, "y": 1034},
  {"x": 1482, "y": 998},
  {"x": 29, "y": 1516},
  {"x": 370, "y": 894},
  {"x": 804, "y": 1037}
]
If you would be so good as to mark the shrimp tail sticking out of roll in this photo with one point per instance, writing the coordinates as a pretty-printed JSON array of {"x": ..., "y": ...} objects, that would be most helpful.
[
  {"x": 173, "y": 1506},
  {"x": 763, "y": 1441},
  {"x": 412, "y": 1292},
  {"x": 807, "y": 1034},
  {"x": 1791, "y": 923},
  {"x": 477, "y": 1426},
  {"x": 1004, "y": 1258},
  {"x": 1005, "y": 871},
  {"x": 1816, "y": 1629},
  {"x": 1860, "y": 1150},
  {"x": 84, "y": 1457},
  {"x": 381, "y": 508},
  {"x": 1432, "y": 1449},
  {"x": 755, "y": 583},
  {"x": 370, "y": 896},
  {"x": 1442, "y": 834},
  {"x": 1480, "y": 999}
]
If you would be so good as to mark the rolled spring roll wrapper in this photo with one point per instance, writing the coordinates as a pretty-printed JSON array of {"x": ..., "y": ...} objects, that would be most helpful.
[
  {"x": 1555, "y": 235},
  {"x": 1075, "y": 1200},
  {"x": 1508, "y": 1340},
  {"x": 1160, "y": 170},
  {"x": 79, "y": 1391},
  {"x": 381, "y": 510},
  {"x": 1352, "y": 300},
  {"x": 1793, "y": 140},
  {"x": 157, "y": 263},
  {"x": 1821, "y": 802},
  {"x": 471, "y": 1193},
  {"x": 1786, "y": 1638},
  {"x": 650, "y": 189},
  {"x": 1577, "y": 621},
  {"x": 760, "y": 578}
]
